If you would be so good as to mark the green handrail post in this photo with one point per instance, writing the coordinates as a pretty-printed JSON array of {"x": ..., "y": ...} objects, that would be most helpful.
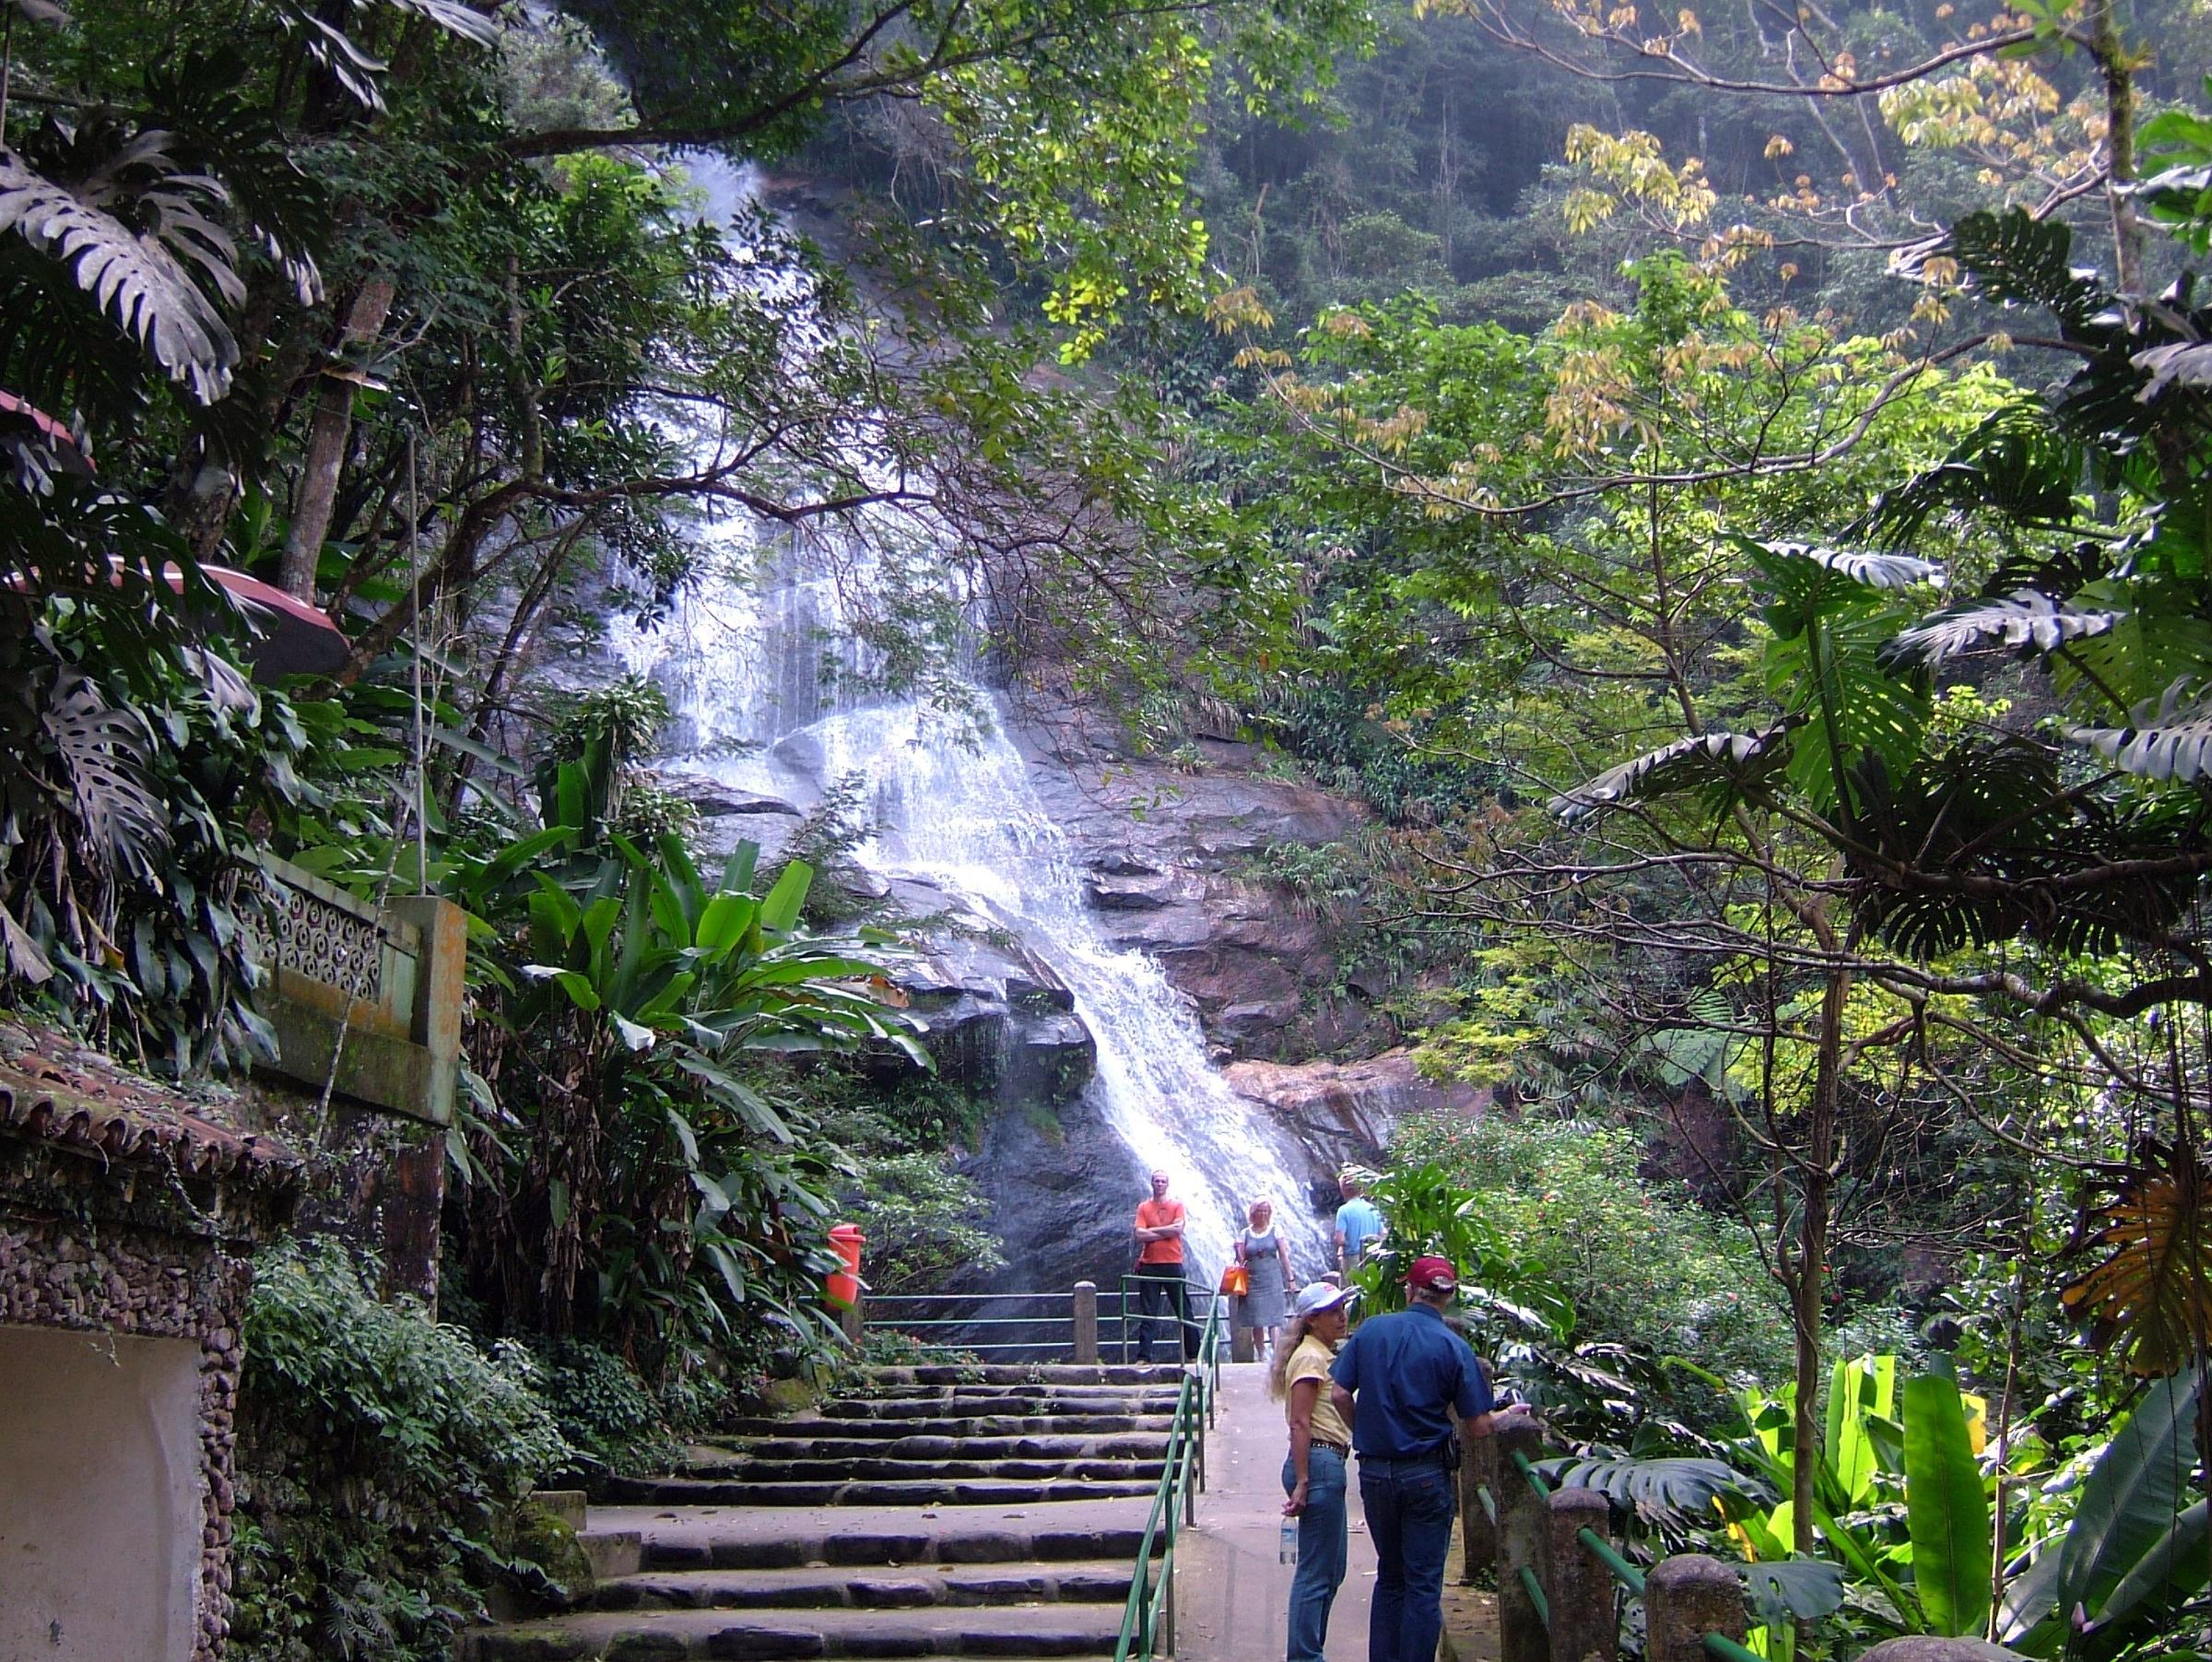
[
  {"x": 1149, "y": 1616},
  {"x": 1536, "y": 1596}
]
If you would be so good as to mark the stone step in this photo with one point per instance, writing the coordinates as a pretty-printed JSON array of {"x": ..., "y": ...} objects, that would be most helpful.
[
  {"x": 1010, "y": 1425},
  {"x": 965, "y": 1407},
  {"x": 706, "y": 1457},
  {"x": 1031, "y": 1374},
  {"x": 1100, "y": 1580},
  {"x": 751, "y": 1538},
  {"x": 874, "y": 1492},
  {"x": 821, "y": 1467},
  {"x": 1003, "y": 1631},
  {"x": 1165, "y": 1391},
  {"x": 766, "y": 1636}
]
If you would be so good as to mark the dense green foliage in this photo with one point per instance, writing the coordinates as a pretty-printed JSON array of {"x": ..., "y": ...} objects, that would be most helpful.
[{"x": 383, "y": 1458}]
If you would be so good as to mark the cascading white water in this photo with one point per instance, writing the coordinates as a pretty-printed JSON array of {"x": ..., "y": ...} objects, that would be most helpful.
[{"x": 744, "y": 663}]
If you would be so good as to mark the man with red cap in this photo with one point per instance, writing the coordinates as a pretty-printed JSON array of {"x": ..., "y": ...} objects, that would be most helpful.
[{"x": 1397, "y": 1381}]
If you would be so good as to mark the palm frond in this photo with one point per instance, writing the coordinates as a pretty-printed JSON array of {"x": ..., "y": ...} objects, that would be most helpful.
[
  {"x": 2150, "y": 1296},
  {"x": 2018, "y": 462},
  {"x": 2025, "y": 620},
  {"x": 140, "y": 279},
  {"x": 2169, "y": 744},
  {"x": 1740, "y": 760}
]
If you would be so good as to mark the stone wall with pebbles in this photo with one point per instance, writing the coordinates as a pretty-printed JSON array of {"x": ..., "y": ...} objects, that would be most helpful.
[{"x": 123, "y": 1214}]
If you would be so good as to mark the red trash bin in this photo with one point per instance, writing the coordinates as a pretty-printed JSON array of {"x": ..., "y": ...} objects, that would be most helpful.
[{"x": 842, "y": 1287}]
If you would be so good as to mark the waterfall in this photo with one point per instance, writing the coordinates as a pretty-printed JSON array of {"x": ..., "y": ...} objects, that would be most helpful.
[{"x": 771, "y": 695}]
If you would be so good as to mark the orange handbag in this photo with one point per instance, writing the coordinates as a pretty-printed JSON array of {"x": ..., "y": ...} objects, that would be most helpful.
[{"x": 1235, "y": 1280}]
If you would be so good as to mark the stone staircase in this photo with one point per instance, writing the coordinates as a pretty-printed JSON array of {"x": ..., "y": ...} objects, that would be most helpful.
[{"x": 992, "y": 1511}]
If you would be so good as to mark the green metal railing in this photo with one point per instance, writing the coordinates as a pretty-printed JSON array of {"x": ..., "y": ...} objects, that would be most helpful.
[
  {"x": 1148, "y": 1619},
  {"x": 922, "y": 1326},
  {"x": 1109, "y": 1324},
  {"x": 1717, "y": 1645}
]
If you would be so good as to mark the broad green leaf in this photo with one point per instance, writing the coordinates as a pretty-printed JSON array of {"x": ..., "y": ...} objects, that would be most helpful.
[
  {"x": 738, "y": 873},
  {"x": 2130, "y": 1496},
  {"x": 722, "y": 925},
  {"x": 1947, "y": 1509},
  {"x": 779, "y": 907}
]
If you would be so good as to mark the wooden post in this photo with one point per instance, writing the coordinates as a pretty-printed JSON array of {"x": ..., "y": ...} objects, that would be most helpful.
[
  {"x": 1583, "y": 1625},
  {"x": 1685, "y": 1598},
  {"x": 1087, "y": 1322},
  {"x": 1521, "y": 1524},
  {"x": 1478, "y": 1530}
]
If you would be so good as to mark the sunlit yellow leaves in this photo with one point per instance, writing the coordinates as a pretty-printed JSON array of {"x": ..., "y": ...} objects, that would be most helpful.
[
  {"x": 1345, "y": 325},
  {"x": 1686, "y": 22},
  {"x": 1632, "y": 166},
  {"x": 1261, "y": 358},
  {"x": 1394, "y": 434},
  {"x": 1239, "y": 308},
  {"x": 1779, "y": 147}
]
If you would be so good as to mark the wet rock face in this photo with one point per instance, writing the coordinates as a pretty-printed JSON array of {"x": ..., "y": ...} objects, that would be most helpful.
[
  {"x": 1344, "y": 1111},
  {"x": 1171, "y": 861},
  {"x": 1063, "y": 1190},
  {"x": 996, "y": 1016}
]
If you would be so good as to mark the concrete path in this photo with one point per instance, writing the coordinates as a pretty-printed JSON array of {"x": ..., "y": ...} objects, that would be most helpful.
[{"x": 1232, "y": 1598}]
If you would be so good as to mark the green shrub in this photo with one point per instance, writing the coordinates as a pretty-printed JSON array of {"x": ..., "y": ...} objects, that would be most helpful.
[
  {"x": 381, "y": 1458},
  {"x": 1644, "y": 1264},
  {"x": 920, "y": 1218}
]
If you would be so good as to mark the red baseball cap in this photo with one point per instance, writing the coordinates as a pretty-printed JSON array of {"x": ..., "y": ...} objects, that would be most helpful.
[{"x": 1432, "y": 1275}]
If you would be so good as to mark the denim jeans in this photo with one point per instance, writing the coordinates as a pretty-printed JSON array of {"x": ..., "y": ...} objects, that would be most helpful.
[
  {"x": 1320, "y": 1551},
  {"x": 1410, "y": 1504}
]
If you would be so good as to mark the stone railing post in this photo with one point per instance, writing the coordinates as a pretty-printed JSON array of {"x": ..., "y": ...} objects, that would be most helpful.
[
  {"x": 1521, "y": 1526},
  {"x": 1242, "y": 1346},
  {"x": 850, "y": 1319},
  {"x": 1478, "y": 1532},
  {"x": 1087, "y": 1322},
  {"x": 1685, "y": 1598},
  {"x": 1581, "y": 1588}
]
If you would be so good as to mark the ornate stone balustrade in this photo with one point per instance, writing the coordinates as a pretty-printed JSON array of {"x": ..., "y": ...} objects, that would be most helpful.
[{"x": 367, "y": 1000}]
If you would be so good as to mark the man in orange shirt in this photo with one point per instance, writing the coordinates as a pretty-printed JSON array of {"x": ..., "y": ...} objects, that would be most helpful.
[{"x": 1159, "y": 1270}]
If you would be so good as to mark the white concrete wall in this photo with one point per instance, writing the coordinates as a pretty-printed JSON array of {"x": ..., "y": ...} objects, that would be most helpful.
[{"x": 99, "y": 1497}]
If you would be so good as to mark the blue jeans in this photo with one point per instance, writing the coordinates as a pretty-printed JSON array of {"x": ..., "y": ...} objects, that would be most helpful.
[
  {"x": 1410, "y": 1504},
  {"x": 1320, "y": 1551}
]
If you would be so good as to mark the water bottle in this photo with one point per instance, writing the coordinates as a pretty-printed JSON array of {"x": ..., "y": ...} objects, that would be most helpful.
[{"x": 1286, "y": 1551}]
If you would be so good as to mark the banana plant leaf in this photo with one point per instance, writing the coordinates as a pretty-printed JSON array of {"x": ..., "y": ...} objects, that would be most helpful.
[
  {"x": 2130, "y": 1500},
  {"x": 1947, "y": 1509}
]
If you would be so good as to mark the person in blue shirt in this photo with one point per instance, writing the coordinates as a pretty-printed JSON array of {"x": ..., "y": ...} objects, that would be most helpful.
[
  {"x": 1359, "y": 1225},
  {"x": 1395, "y": 1382}
]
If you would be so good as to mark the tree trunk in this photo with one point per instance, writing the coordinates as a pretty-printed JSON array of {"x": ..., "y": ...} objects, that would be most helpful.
[
  {"x": 326, "y": 444},
  {"x": 2105, "y": 45}
]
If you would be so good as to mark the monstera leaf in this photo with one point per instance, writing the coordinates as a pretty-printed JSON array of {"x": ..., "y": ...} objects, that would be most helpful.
[
  {"x": 2149, "y": 1298},
  {"x": 144, "y": 279},
  {"x": 2019, "y": 260},
  {"x": 2167, "y": 744},
  {"x": 1667, "y": 1490},
  {"x": 1739, "y": 762},
  {"x": 2018, "y": 462},
  {"x": 103, "y": 752},
  {"x": 2025, "y": 620}
]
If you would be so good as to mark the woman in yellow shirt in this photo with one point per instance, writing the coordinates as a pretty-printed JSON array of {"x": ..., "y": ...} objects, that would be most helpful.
[{"x": 1313, "y": 1476}]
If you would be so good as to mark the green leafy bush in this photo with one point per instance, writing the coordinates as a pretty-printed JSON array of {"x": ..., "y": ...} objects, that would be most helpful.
[
  {"x": 1642, "y": 1266},
  {"x": 381, "y": 1458},
  {"x": 921, "y": 1219}
]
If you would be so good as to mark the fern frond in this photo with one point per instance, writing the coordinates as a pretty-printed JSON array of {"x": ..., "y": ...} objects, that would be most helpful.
[{"x": 2177, "y": 749}]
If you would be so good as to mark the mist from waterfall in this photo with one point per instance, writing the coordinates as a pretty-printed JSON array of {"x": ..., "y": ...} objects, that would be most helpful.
[{"x": 772, "y": 695}]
